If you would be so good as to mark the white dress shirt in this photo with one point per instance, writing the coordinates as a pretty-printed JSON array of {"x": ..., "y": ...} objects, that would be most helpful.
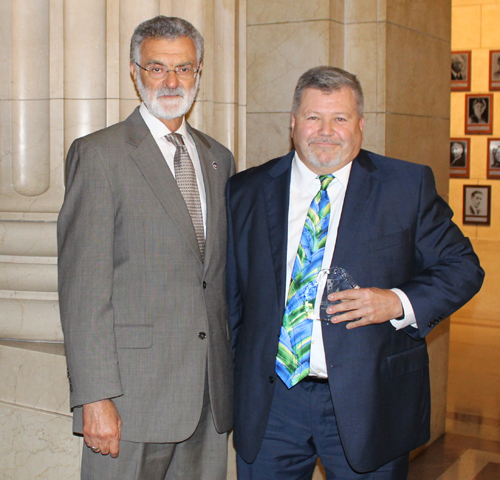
[
  {"x": 304, "y": 186},
  {"x": 158, "y": 129}
]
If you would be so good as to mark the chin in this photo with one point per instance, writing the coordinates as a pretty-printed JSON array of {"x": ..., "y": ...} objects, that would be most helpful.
[
  {"x": 168, "y": 109},
  {"x": 325, "y": 160}
]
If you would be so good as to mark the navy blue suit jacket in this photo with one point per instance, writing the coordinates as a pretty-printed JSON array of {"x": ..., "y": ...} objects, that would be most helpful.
[{"x": 395, "y": 231}]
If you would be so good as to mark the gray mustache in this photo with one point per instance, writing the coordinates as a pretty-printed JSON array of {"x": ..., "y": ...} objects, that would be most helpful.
[
  {"x": 170, "y": 91},
  {"x": 326, "y": 140}
]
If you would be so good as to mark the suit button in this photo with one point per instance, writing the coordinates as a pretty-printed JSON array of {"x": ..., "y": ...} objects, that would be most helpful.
[
  {"x": 271, "y": 379},
  {"x": 202, "y": 335},
  {"x": 204, "y": 285}
]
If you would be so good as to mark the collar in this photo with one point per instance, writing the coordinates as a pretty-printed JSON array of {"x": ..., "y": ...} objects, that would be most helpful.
[
  {"x": 304, "y": 179},
  {"x": 158, "y": 129}
]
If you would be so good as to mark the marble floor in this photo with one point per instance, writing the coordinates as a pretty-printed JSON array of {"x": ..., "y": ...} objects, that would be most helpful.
[{"x": 470, "y": 449}]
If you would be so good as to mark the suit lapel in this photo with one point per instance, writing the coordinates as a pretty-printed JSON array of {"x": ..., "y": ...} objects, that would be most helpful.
[
  {"x": 360, "y": 188},
  {"x": 277, "y": 195},
  {"x": 153, "y": 166}
]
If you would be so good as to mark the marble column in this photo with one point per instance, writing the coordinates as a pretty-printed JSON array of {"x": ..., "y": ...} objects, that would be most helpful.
[{"x": 35, "y": 426}]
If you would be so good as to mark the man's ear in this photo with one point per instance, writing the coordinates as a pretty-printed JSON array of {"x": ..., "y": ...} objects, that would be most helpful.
[{"x": 362, "y": 122}]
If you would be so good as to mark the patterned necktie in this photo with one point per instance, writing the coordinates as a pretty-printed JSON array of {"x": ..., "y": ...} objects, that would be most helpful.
[
  {"x": 186, "y": 180},
  {"x": 294, "y": 349}
]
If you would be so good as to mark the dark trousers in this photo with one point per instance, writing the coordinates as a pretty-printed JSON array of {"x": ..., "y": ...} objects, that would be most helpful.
[{"x": 301, "y": 428}]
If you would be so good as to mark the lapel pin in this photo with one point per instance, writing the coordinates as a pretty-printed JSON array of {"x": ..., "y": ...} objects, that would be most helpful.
[{"x": 214, "y": 164}]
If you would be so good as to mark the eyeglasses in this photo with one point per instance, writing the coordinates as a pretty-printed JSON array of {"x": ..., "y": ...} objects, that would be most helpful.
[{"x": 158, "y": 71}]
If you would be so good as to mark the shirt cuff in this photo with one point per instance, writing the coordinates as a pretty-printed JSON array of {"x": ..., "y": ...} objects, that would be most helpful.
[{"x": 408, "y": 313}]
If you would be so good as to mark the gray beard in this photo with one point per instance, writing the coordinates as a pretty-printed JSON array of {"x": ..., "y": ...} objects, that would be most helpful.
[
  {"x": 172, "y": 110},
  {"x": 334, "y": 161}
]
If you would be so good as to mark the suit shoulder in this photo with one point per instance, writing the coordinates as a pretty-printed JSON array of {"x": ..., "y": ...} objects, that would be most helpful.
[
  {"x": 394, "y": 165},
  {"x": 256, "y": 175},
  {"x": 210, "y": 142},
  {"x": 101, "y": 138}
]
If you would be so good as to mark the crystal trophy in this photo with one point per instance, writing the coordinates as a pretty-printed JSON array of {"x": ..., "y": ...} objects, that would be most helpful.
[{"x": 334, "y": 279}]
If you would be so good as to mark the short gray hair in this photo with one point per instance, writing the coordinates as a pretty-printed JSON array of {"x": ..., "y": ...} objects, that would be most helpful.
[
  {"x": 328, "y": 79},
  {"x": 165, "y": 27}
]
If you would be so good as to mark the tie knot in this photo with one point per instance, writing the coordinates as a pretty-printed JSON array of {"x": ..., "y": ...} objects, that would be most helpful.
[
  {"x": 175, "y": 138},
  {"x": 325, "y": 181}
]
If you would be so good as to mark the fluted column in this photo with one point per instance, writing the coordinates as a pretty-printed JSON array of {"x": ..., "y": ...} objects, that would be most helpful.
[
  {"x": 131, "y": 13},
  {"x": 30, "y": 97},
  {"x": 84, "y": 68}
]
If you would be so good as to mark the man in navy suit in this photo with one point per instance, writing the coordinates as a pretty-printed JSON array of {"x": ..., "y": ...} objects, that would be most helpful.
[{"x": 364, "y": 402}]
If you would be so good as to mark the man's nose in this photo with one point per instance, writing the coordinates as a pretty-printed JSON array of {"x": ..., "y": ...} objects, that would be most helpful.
[
  {"x": 327, "y": 128},
  {"x": 171, "y": 80}
]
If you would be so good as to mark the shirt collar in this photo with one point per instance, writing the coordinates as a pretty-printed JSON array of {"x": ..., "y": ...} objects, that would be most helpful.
[
  {"x": 158, "y": 129},
  {"x": 303, "y": 178}
]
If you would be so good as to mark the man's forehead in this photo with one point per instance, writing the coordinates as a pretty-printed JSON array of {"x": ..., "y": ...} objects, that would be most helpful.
[{"x": 167, "y": 46}]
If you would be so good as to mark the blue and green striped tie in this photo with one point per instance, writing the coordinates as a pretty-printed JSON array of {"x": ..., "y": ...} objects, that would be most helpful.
[{"x": 294, "y": 349}]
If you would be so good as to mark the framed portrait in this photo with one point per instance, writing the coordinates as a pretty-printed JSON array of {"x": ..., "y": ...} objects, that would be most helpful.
[
  {"x": 479, "y": 114},
  {"x": 459, "y": 157},
  {"x": 493, "y": 169},
  {"x": 477, "y": 204},
  {"x": 494, "y": 69},
  {"x": 460, "y": 71}
]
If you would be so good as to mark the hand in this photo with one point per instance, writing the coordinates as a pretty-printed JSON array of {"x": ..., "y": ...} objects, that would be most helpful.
[
  {"x": 102, "y": 427},
  {"x": 370, "y": 305}
]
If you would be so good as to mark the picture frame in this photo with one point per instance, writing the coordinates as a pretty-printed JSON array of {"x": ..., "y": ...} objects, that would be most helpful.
[
  {"x": 479, "y": 114},
  {"x": 460, "y": 71},
  {"x": 477, "y": 205},
  {"x": 459, "y": 157},
  {"x": 493, "y": 165},
  {"x": 494, "y": 70}
]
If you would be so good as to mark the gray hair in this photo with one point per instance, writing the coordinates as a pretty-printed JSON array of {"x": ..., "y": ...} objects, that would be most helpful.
[
  {"x": 328, "y": 79},
  {"x": 165, "y": 27}
]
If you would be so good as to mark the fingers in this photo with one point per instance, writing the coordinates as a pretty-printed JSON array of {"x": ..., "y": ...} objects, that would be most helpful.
[
  {"x": 366, "y": 306},
  {"x": 102, "y": 427}
]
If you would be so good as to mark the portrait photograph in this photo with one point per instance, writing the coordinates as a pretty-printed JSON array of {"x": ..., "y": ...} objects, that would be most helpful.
[
  {"x": 494, "y": 158},
  {"x": 477, "y": 204},
  {"x": 479, "y": 114},
  {"x": 459, "y": 157},
  {"x": 460, "y": 71},
  {"x": 494, "y": 69}
]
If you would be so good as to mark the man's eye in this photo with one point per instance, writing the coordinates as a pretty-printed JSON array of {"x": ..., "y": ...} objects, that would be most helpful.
[
  {"x": 184, "y": 69},
  {"x": 157, "y": 69}
]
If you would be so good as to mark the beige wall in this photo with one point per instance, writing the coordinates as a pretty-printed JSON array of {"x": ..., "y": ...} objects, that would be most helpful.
[
  {"x": 475, "y": 28},
  {"x": 65, "y": 73}
]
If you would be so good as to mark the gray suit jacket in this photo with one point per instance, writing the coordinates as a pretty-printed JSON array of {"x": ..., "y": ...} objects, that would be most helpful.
[{"x": 144, "y": 319}]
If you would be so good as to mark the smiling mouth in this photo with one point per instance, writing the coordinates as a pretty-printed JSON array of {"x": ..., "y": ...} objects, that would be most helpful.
[{"x": 326, "y": 144}]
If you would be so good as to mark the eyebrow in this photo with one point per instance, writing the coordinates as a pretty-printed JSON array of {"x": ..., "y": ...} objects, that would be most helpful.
[{"x": 157, "y": 62}]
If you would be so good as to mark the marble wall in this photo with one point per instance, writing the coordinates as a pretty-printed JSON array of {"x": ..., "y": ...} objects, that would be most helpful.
[
  {"x": 385, "y": 42},
  {"x": 65, "y": 73}
]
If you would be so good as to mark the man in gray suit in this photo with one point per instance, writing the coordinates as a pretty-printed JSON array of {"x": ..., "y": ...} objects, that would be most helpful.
[{"x": 142, "y": 241}]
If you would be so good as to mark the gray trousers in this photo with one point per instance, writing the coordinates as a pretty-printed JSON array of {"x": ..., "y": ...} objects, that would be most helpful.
[{"x": 203, "y": 456}]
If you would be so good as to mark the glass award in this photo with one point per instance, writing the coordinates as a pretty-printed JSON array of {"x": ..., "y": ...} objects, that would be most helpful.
[{"x": 334, "y": 279}]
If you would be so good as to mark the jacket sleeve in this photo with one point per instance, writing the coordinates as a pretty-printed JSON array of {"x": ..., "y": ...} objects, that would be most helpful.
[
  {"x": 85, "y": 235},
  {"x": 450, "y": 274}
]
